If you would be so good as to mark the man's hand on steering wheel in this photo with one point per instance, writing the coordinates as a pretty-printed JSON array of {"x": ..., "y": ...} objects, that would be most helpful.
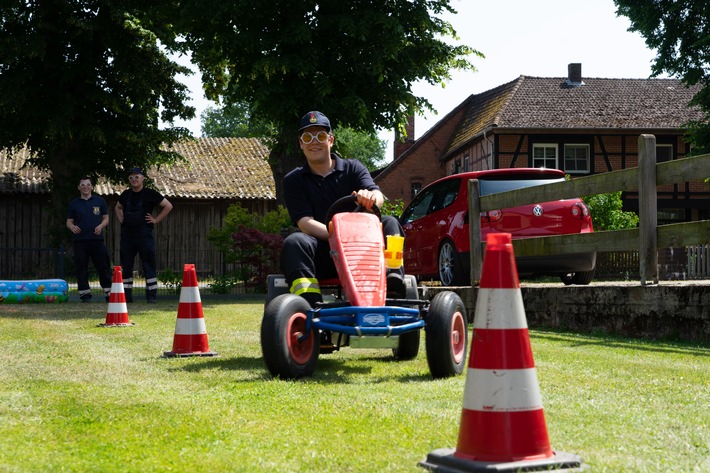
[{"x": 366, "y": 198}]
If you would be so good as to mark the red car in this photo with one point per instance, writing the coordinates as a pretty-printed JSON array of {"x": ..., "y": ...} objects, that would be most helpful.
[{"x": 437, "y": 237}]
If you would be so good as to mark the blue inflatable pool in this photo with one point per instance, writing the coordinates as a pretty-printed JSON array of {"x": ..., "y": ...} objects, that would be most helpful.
[{"x": 41, "y": 290}]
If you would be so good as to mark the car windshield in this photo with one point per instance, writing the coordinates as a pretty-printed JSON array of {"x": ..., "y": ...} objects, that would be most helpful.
[{"x": 493, "y": 187}]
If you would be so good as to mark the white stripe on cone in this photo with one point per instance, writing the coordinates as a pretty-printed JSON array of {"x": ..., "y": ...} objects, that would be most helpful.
[
  {"x": 117, "y": 308},
  {"x": 499, "y": 309},
  {"x": 117, "y": 287},
  {"x": 190, "y": 326},
  {"x": 190, "y": 294},
  {"x": 501, "y": 390}
]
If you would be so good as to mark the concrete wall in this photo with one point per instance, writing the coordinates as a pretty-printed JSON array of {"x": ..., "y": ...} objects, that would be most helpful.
[{"x": 677, "y": 311}]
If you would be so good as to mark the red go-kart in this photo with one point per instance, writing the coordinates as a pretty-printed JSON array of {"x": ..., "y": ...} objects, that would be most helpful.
[{"x": 361, "y": 316}]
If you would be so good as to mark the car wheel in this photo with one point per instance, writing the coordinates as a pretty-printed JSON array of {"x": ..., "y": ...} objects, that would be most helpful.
[
  {"x": 582, "y": 278},
  {"x": 450, "y": 269},
  {"x": 446, "y": 335},
  {"x": 287, "y": 354}
]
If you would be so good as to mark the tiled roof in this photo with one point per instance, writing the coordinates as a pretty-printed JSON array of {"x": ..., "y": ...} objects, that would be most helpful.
[
  {"x": 551, "y": 103},
  {"x": 14, "y": 179},
  {"x": 214, "y": 168}
]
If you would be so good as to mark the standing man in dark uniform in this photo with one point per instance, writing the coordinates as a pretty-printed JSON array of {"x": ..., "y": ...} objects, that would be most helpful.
[
  {"x": 87, "y": 217},
  {"x": 309, "y": 192},
  {"x": 135, "y": 212}
]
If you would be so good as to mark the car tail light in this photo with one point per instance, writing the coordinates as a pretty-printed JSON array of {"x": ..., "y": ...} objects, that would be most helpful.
[
  {"x": 579, "y": 210},
  {"x": 494, "y": 215}
]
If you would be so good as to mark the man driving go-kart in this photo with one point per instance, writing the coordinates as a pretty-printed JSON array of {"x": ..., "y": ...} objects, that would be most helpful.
[{"x": 309, "y": 192}]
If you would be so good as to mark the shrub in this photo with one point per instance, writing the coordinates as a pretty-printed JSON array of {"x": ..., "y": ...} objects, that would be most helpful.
[{"x": 171, "y": 279}]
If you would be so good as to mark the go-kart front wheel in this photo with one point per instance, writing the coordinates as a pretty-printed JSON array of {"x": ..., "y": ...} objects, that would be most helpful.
[
  {"x": 286, "y": 352},
  {"x": 446, "y": 335}
]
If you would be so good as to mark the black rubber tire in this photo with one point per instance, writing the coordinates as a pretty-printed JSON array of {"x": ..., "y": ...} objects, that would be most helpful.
[
  {"x": 283, "y": 323},
  {"x": 409, "y": 342},
  {"x": 446, "y": 335},
  {"x": 408, "y": 348},
  {"x": 449, "y": 265},
  {"x": 582, "y": 278}
]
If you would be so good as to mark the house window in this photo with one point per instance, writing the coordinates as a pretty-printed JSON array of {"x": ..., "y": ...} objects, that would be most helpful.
[
  {"x": 544, "y": 156},
  {"x": 664, "y": 153},
  {"x": 466, "y": 163},
  {"x": 576, "y": 159},
  {"x": 415, "y": 188}
]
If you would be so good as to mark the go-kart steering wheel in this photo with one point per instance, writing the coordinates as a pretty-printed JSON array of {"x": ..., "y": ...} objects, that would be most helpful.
[{"x": 344, "y": 204}]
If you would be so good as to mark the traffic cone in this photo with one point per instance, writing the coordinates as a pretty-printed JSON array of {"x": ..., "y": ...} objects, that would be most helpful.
[
  {"x": 190, "y": 332},
  {"x": 503, "y": 425},
  {"x": 117, "y": 312}
]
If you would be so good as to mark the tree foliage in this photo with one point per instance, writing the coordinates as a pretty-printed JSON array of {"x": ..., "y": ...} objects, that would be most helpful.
[
  {"x": 356, "y": 61},
  {"x": 366, "y": 147},
  {"x": 84, "y": 83},
  {"x": 679, "y": 30},
  {"x": 232, "y": 121}
]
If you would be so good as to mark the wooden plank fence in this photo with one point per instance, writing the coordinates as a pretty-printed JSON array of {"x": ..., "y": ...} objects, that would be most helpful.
[{"x": 647, "y": 238}]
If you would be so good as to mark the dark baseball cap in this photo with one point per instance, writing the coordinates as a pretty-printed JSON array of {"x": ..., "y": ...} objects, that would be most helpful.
[
  {"x": 135, "y": 170},
  {"x": 314, "y": 119}
]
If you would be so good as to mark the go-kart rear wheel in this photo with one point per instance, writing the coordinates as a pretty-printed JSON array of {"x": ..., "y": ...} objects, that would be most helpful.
[
  {"x": 446, "y": 335},
  {"x": 283, "y": 326},
  {"x": 408, "y": 348}
]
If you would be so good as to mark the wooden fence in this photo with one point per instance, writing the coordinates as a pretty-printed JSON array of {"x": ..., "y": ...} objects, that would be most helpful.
[{"x": 647, "y": 238}]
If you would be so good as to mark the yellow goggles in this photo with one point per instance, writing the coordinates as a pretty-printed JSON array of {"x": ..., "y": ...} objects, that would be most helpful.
[{"x": 321, "y": 137}]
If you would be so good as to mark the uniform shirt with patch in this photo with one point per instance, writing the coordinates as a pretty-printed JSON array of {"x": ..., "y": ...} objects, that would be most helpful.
[{"x": 87, "y": 214}]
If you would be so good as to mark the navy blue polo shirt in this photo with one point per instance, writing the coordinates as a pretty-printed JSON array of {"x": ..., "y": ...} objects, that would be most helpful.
[
  {"x": 310, "y": 195},
  {"x": 87, "y": 215}
]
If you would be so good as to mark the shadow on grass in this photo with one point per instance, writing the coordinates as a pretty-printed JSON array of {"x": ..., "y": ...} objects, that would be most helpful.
[
  {"x": 328, "y": 370},
  {"x": 579, "y": 340}
]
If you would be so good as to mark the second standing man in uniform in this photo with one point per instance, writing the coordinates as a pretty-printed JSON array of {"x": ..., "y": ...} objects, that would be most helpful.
[{"x": 135, "y": 212}]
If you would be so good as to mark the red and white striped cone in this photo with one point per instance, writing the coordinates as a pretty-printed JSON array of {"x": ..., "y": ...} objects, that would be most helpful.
[
  {"x": 503, "y": 425},
  {"x": 117, "y": 312},
  {"x": 190, "y": 331}
]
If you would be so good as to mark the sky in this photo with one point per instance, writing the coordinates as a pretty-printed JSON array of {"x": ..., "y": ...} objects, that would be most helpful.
[{"x": 517, "y": 37}]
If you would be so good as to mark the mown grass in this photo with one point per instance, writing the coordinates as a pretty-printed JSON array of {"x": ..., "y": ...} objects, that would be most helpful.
[{"x": 75, "y": 397}]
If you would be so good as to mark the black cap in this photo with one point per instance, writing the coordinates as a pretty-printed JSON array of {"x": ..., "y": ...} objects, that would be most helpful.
[
  {"x": 314, "y": 119},
  {"x": 135, "y": 170}
]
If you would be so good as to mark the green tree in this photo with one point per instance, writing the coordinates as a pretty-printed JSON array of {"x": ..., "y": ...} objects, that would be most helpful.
[
  {"x": 607, "y": 214},
  {"x": 366, "y": 147},
  {"x": 356, "y": 61},
  {"x": 679, "y": 30},
  {"x": 232, "y": 121},
  {"x": 84, "y": 84}
]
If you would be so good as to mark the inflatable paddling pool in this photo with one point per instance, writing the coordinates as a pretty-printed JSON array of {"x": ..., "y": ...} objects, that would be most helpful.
[{"x": 41, "y": 290}]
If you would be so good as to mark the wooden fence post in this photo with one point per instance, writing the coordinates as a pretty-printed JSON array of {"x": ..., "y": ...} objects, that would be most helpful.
[
  {"x": 474, "y": 229},
  {"x": 648, "y": 210}
]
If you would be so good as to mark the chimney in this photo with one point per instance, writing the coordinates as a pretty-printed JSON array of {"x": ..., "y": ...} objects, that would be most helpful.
[
  {"x": 574, "y": 74},
  {"x": 400, "y": 146}
]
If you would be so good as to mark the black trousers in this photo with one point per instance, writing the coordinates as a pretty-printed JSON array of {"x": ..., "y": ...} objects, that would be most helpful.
[
  {"x": 139, "y": 241},
  {"x": 96, "y": 252}
]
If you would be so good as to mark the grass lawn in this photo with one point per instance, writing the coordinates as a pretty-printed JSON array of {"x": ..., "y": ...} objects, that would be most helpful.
[{"x": 75, "y": 397}]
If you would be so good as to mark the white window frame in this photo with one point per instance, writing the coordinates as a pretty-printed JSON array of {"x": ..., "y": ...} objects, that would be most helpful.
[
  {"x": 586, "y": 164},
  {"x": 545, "y": 146}
]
